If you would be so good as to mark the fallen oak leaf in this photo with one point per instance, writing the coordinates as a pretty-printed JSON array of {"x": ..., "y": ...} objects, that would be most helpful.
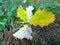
[
  {"x": 23, "y": 33},
  {"x": 42, "y": 18},
  {"x": 21, "y": 13}
]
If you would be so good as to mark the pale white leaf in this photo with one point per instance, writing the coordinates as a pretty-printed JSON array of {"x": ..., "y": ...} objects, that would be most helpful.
[{"x": 23, "y": 33}]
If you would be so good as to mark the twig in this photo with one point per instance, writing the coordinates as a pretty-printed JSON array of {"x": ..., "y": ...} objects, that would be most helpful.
[
  {"x": 14, "y": 30},
  {"x": 52, "y": 27}
]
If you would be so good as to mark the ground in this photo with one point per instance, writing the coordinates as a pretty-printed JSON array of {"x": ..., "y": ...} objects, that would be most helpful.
[{"x": 47, "y": 36}]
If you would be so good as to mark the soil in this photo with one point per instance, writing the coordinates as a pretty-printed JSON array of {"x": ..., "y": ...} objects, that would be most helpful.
[{"x": 46, "y": 36}]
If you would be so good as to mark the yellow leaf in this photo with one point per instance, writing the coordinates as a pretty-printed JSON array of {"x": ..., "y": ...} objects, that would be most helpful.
[
  {"x": 21, "y": 13},
  {"x": 42, "y": 18}
]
